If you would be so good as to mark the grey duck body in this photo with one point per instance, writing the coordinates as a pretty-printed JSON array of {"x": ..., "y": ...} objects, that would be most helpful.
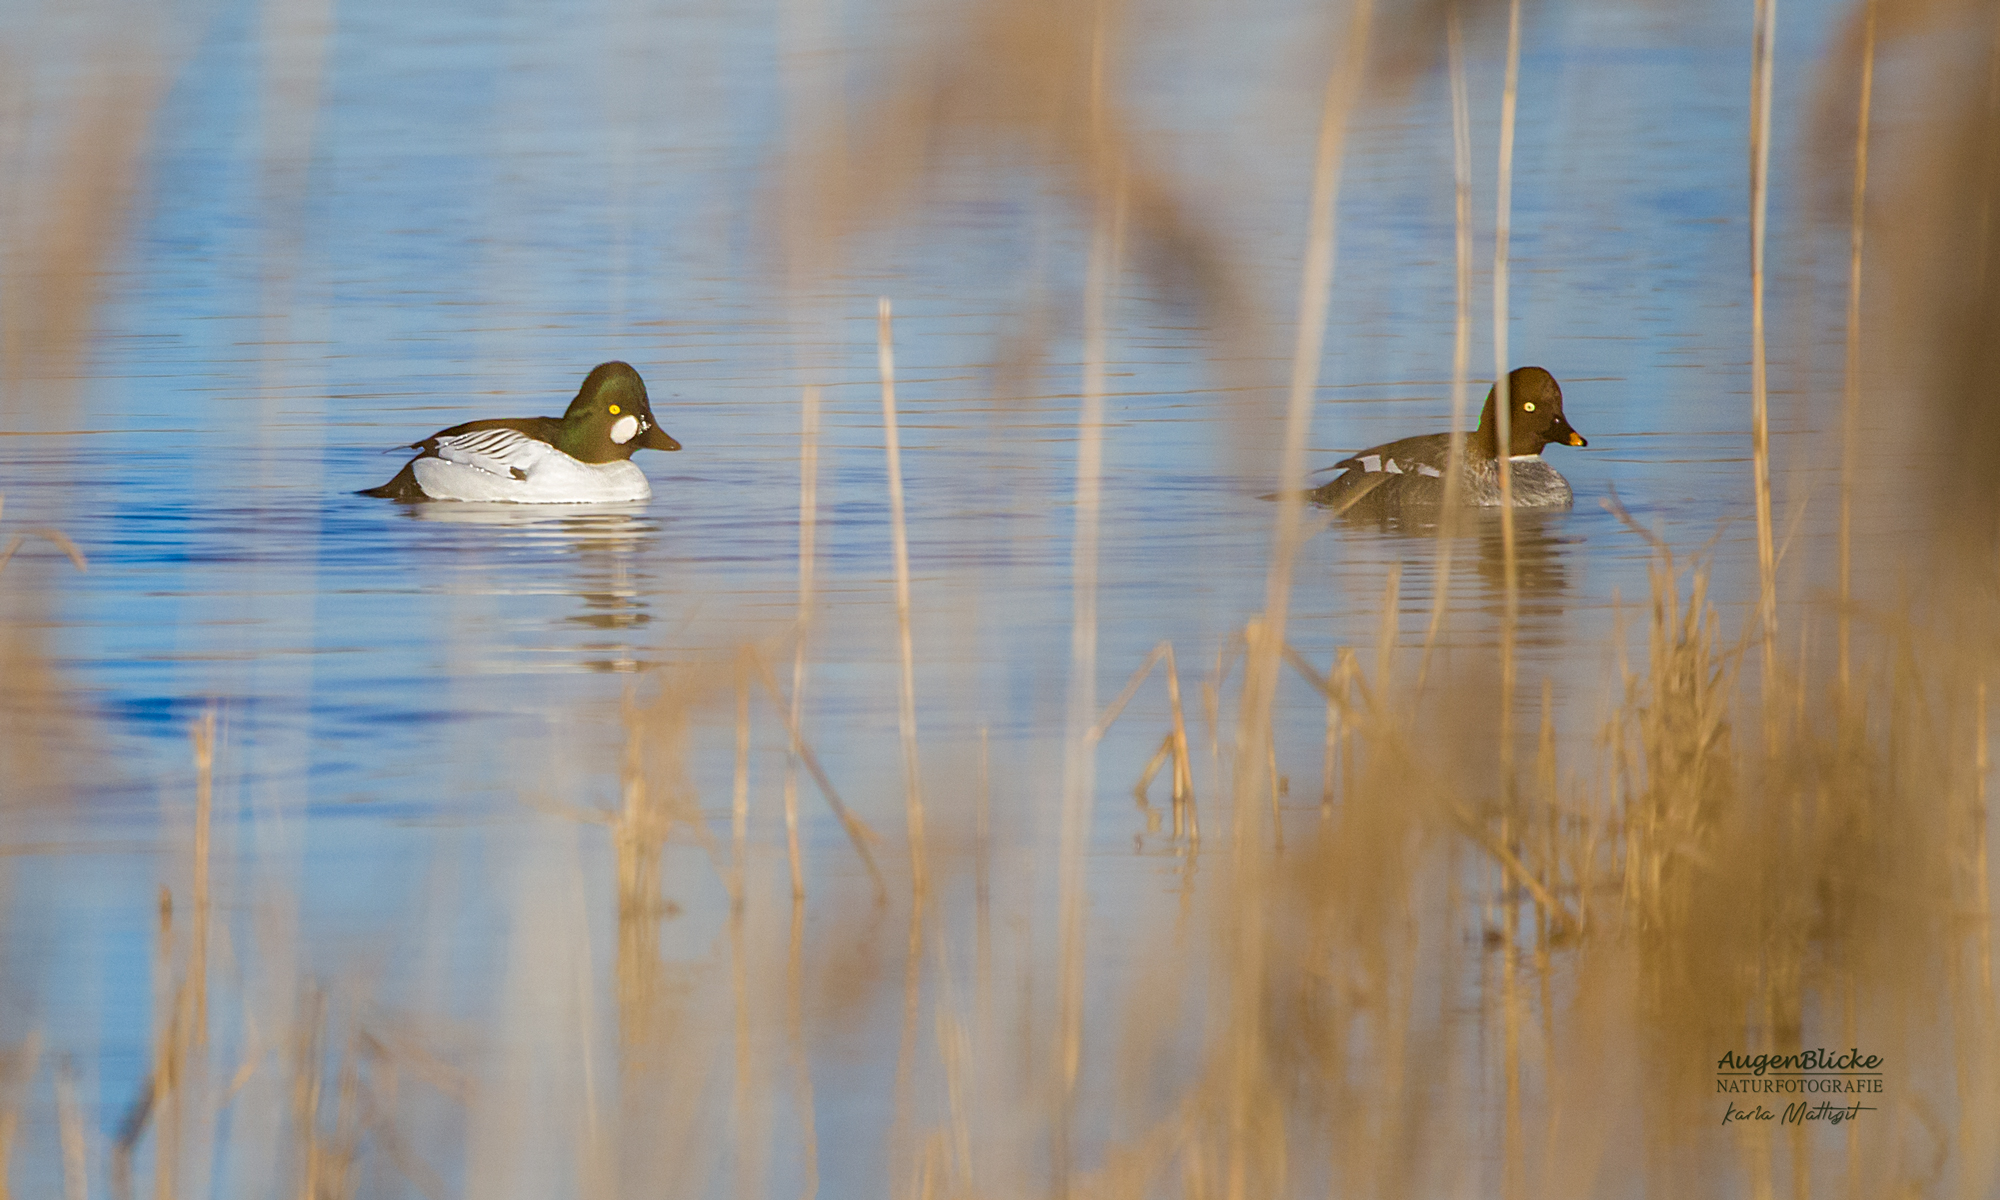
[{"x": 1409, "y": 473}]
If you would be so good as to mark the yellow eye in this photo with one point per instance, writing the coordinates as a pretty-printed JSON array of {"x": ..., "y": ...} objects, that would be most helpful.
[
  {"x": 1528, "y": 407},
  {"x": 614, "y": 409}
]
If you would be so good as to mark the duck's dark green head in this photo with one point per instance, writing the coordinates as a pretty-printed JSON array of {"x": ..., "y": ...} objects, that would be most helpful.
[
  {"x": 611, "y": 417},
  {"x": 1535, "y": 411}
]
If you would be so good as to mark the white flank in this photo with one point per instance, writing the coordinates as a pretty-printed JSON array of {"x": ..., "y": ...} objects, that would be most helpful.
[{"x": 553, "y": 478}]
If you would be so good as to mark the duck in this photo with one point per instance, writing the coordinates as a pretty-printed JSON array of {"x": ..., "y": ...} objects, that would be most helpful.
[
  {"x": 1409, "y": 472},
  {"x": 582, "y": 457}
]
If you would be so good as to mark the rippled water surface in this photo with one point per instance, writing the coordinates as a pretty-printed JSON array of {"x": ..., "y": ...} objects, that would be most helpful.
[{"x": 474, "y": 209}]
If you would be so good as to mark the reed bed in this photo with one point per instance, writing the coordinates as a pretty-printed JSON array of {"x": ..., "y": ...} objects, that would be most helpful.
[{"x": 1437, "y": 977}]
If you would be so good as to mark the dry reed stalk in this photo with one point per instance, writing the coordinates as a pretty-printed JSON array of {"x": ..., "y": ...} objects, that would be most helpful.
[
  {"x": 1080, "y": 756},
  {"x": 27, "y": 1061},
  {"x": 913, "y": 799},
  {"x": 1343, "y": 89},
  {"x": 1244, "y": 1049},
  {"x": 182, "y": 1029},
  {"x": 67, "y": 234},
  {"x": 1385, "y": 632},
  {"x": 1330, "y": 760},
  {"x": 739, "y": 806},
  {"x": 746, "y": 1110},
  {"x": 1173, "y": 747},
  {"x": 1513, "y": 1150},
  {"x": 808, "y": 559},
  {"x": 1276, "y": 784},
  {"x": 901, "y": 1140},
  {"x": 982, "y": 892},
  {"x": 1461, "y": 344},
  {"x": 795, "y": 1029},
  {"x": 1503, "y": 405},
  {"x": 55, "y": 537},
  {"x": 1183, "y": 764},
  {"x": 1763, "y": 48},
  {"x": 203, "y": 736},
  {"x": 1161, "y": 754},
  {"x": 857, "y": 830},
  {"x": 70, "y": 1131},
  {"x": 1344, "y": 696},
  {"x": 1850, "y": 408},
  {"x": 913, "y": 788},
  {"x": 1104, "y": 721},
  {"x": 1982, "y": 768},
  {"x": 638, "y": 837}
]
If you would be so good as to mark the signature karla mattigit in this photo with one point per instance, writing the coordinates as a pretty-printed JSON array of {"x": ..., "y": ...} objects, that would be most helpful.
[
  {"x": 1808, "y": 1072},
  {"x": 1798, "y": 1112}
]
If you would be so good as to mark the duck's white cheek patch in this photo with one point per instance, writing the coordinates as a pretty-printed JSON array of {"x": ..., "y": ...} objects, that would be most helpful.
[{"x": 624, "y": 429}]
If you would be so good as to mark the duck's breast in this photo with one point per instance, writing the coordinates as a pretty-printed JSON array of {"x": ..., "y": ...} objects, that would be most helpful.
[{"x": 1535, "y": 484}]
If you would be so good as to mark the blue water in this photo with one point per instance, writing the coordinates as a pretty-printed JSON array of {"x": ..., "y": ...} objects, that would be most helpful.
[{"x": 432, "y": 214}]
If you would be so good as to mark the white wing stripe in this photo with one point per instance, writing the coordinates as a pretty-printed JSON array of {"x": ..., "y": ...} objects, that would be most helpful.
[{"x": 497, "y": 451}]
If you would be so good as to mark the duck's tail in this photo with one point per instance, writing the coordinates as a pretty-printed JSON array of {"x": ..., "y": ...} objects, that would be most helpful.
[{"x": 403, "y": 487}]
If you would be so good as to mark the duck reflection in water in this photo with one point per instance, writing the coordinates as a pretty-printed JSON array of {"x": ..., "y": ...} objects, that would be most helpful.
[
  {"x": 601, "y": 546},
  {"x": 1542, "y": 552},
  {"x": 1541, "y": 568}
]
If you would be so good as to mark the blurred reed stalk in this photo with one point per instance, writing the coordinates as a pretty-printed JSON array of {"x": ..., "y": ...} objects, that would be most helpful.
[
  {"x": 1080, "y": 749},
  {"x": 913, "y": 788},
  {"x": 1461, "y": 344},
  {"x": 1512, "y": 1180},
  {"x": 70, "y": 1130},
  {"x": 1503, "y": 411},
  {"x": 801, "y": 1059},
  {"x": 1245, "y": 1043},
  {"x": 809, "y": 399},
  {"x": 748, "y": 1111},
  {"x": 1173, "y": 747},
  {"x": 1850, "y": 408},
  {"x": 913, "y": 797},
  {"x": 14, "y": 1091},
  {"x": 1762, "y": 51}
]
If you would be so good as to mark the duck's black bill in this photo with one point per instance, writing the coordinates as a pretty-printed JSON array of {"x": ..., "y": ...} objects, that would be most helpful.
[
  {"x": 656, "y": 438},
  {"x": 1562, "y": 432}
]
